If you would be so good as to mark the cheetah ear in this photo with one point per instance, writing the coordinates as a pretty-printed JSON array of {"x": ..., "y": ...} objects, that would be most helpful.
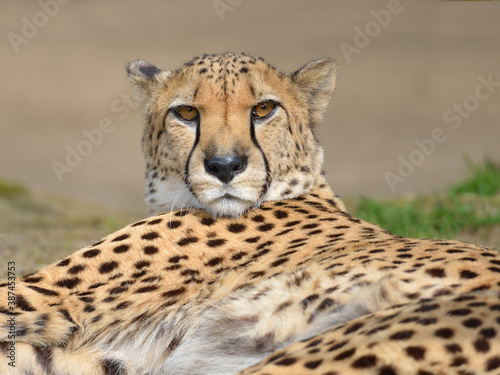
[
  {"x": 146, "y": 78},
  {"x": 316, "y": 80}
]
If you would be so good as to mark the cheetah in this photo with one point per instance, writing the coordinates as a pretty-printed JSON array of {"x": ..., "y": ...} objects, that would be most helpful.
[{"x": 250, "y": 263}]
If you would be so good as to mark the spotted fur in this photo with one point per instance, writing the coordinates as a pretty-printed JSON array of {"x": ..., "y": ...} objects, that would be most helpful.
[{"x": 294, "y": 285}]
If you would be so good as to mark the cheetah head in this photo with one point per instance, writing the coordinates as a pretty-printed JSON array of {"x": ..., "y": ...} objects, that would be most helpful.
[{"x": 226, "y": 132}]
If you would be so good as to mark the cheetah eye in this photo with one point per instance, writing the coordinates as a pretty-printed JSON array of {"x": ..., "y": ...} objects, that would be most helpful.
[
  {"x": 263, "y": 109},
  {"x": 187, "y": 112}
]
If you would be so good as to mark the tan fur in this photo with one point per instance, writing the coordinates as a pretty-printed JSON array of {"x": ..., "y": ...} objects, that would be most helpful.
[{"x": 196, "y": 292}]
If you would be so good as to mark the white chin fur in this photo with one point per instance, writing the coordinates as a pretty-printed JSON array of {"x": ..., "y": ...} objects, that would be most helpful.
[{"x": 172, "y": 194}]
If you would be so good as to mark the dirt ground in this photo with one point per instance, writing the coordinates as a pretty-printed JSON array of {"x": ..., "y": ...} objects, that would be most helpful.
[{"x": 418, "y": 86}]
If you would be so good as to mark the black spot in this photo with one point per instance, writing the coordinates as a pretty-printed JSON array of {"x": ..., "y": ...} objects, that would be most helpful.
[
  {"x": 96, "y": 285},
  {"x": 386, "y": 370},
  {"x": 174, "y": 224},
  {"x": 142, "y": 264},
  {"x": 377, "y": 329},
  {"x": 146, "y": 289},
  {"x": 468, "y": 274},
  {"x": 416, "y": 352},
  {"x": 493, "y": 363},
  {"x": 482, "y": 345},
  {"x": 122, "y": 305},
  {"x": 326, "y": 303},
  {"x": 265, "y": 227},
  {"x": 150, "y": 236},
  {"x": 121, "y": 249},
  {"x": 459, "y": 312},
  {"x": 244, "y": 69},
  {"x": 32, "y": 280},
  {"x": 236, "y": 228},
  {"x": 495, "y": 307},
  {"x": 208, "y": 221},
  {"x": 286, "y": 362},
  {"x": 427, "y": 321},
  {"x": 69, "y": 283},
  {"x": 45, "y": 292},
  {"x": 91, "y": 253},
  {"x": 177, "y": 258},
  {"x": 472, "y": 323},
  {"x": 214, "y": 261},
  {"x": 138, "y": 223},
  {"x": 150, "y": 250},
  {"x": 252, "y": 239},
  {"x": 23, "y": 304},
  {"x": 108, "y": 267},
  {"x": 239, "y": 255},
  {"x": 427, "y": 308},
  {"x": 187, "y": 241},
  {"x": 174, "y": 292},
  {"x": 279, "y": 262},
  {"x": 76, "y": 269},
  {"x": 345, "y": 354},
  {"x": 313, "y": 364},
  {"x": 402, "y": 335},
  {"x": 216, "y": 242},
  {"x": 365, "y": 361},
  {"x": 453, "y": 348},
  {"x": 488, "y": 332},
  {"x": 118, "y": 290},
  {"x": 314, "y": 343},
  {"x": 436, "y": 272},
  {"x": 458, "y": 361},
  {"x": 353, "y": 328},
  {"x": 337, "y": 346},
  {"x": 159, "y": 220},
  {"x": 258, "y": 218},
  {"x": 64, "y": 262},
  {"x": 444, "y": 333},
  {"x": 308, "y": 300},
  {"x": 89, "y": 308},
  {"x": 280, "y": 214},
  {"x": 121, "y": 238}
]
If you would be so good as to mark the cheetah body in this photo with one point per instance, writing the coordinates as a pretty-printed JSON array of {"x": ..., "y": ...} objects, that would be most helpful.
[{"x": 253, "y": 262}]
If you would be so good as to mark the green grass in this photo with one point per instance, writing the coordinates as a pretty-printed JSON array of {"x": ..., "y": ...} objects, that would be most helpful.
[
  {"x": 37, "y": 229},
  {"x": 468, "y": 206},
  {"x": 10, "y": 189},
  {"x": 485, "y": 181}
]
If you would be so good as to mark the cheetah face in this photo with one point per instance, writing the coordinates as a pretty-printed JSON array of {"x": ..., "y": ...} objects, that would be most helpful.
[{"x": 226, "y": 132}]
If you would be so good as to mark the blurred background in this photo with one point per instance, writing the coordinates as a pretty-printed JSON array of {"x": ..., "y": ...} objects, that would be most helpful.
[{"x": 407, "y": 72}]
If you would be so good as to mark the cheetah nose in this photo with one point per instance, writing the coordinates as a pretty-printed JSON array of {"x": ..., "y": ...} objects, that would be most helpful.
[{"x": 225, "y": 167}]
